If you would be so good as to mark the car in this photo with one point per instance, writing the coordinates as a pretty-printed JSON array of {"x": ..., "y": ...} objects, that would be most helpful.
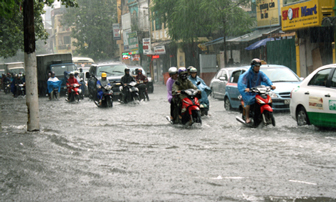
[
  {"x": 313, "y": 102},
  {"x": 114, "y": 70},
  {"x": 219, "y": 81},
  {"x": 281, "y": 76},
  {"x": 150, "y": 86}
]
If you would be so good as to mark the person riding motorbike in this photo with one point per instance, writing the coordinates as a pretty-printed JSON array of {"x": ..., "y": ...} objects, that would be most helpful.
[
  {"x": 141, "y": 80},
  {"x": 205, "y": 90},
  {"x": 171, "y": 80},
  {"x": 182, "y": 83},
  {"x": 72, "y": 80},
  {"x": 101, "y": 87},
  {"x": 126, "y": 79},
  {"x": 18, "y": 80},
  {"x": 53, "y": 82},
  {"x": 252, "y": 78}
]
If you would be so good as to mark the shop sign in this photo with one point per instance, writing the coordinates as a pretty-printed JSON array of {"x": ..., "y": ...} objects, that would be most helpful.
[
  {"x": 116, "y": 31},
  {"x": 301, "y": 15},
  {"x": 159, "y": 50},
  {"x": 133, "y": 41},
  {"x": 146, "y": 46},
  {"x": 268, "y": 13}
]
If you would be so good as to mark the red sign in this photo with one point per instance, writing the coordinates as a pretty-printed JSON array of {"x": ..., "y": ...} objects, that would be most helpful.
[{"x": 155, "y": 56}]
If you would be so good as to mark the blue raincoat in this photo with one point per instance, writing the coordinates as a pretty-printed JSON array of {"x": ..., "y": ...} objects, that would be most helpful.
[
  {"x": 205, "y": 90},
  {"x": 251, "y": 79},
  {"x": 54, "y": 84},
  {"x": 100, "y": 92}
]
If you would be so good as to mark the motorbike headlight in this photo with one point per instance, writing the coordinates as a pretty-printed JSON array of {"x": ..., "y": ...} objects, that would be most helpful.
[
  {"x": 273, "y": 95},
  {"x": 149, "y": 79}
]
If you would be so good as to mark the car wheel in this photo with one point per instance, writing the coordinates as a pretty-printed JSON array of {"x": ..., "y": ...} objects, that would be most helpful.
[
  {"x": 227, "y": 104},
  {"x": 301, "y": 116}
]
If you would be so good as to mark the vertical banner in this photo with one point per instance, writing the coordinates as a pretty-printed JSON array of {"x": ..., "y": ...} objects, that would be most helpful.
[
  {"x": 116, "y": 31},
  {"x": 133, "y": 42},
  {"x": 146, "y": 46}
]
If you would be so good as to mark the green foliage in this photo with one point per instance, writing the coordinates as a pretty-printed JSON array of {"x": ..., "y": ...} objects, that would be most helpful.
[
  {"x": 189, "y": 19},
  {"x": 91, "y": 24},
  {"x": 11, "y": 24}
]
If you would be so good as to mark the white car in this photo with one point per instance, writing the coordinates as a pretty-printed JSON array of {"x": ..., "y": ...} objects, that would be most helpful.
[{"x": 314, "y": 100}]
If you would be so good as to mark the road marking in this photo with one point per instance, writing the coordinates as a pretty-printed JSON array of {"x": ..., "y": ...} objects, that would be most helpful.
[{"x": 311, "y": 183}]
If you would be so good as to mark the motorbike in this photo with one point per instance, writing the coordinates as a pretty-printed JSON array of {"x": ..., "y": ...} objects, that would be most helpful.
[
  {"x": 261, "y": 111},
  {"x": 190, "y": 109},
  {"x": 132, "y": 92},
  {"x": 75, "y": 92},
  {"x": 7, "y": 88},
  {"x": 143, "y": 94},
  {"x": 21, "y": 89},
  {"x": 204, "y": 101},
  {"x": 107, "y": 100}
]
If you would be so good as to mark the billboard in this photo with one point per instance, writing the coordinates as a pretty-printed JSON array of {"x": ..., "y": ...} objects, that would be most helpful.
[
  {"x": 116, "y": 31},
  {"x": 133, "y": 42},
  {"x": 268, "y": 13}
]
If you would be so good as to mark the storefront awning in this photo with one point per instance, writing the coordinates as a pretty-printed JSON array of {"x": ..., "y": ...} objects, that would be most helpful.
[
  {"x": 259, "y": 44},
  {"x": 246, "y": 37}
]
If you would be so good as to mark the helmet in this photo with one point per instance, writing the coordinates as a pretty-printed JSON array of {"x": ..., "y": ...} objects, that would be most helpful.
[
  {"x": 126, "y": 69},
  {"x": 103, "y": 74},
  {"x": 172, "y": 70},
  {"x": 255, "y": 61},
  {"x": 193, "y": 70},
  {"x": 182, "y": 70},
  {"x": 52, "y": 73},
  {"x": 139, "y": 70}
]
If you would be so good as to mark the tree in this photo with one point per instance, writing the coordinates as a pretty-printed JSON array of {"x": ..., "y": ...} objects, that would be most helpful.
[
  {"x": 186, "y": 22},
  {"x": 91, "y": 26}
]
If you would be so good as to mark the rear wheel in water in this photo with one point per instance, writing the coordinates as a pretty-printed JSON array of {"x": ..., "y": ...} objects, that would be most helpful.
[
  {"x": 197, "y": 116},
  {"x": 227, "y": 104},
  {"x": 301, "y": 116}
]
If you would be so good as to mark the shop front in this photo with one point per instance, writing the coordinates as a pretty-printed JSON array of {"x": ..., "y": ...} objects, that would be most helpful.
[{"x": 313, "y": 42}]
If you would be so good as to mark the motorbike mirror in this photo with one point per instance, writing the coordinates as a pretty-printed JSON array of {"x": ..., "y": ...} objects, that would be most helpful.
[
  {"x": 198, "y": 83},
  {"x": 87, "y": 75},
  {"x": 80, "y": 70}
]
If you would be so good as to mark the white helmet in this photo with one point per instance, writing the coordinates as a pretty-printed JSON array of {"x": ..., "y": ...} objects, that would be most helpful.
[{"x": 172, "y": 70}]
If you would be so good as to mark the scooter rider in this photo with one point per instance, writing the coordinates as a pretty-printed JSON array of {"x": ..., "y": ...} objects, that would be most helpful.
[
  {"x": 101, "y": 87},
  {"x": 205, "y": 90},
  {"x": 169, "y": 84},
  {"x": 252, "y": 78},
  {"x": 141, "y": 80},
  {"x": 53, "y": 82},
  {"x": 182, "y": 83},
  {"x": 72, "y": 80},
  {"x": 126, "y": 79}
]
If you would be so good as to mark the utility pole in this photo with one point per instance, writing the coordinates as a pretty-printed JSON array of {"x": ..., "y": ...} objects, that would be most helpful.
[{"x": 33, "y": 123}]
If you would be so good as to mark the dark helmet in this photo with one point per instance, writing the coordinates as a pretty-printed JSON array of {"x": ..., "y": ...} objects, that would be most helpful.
[
  {"x": 139, "y": 70},
  {"x": 52, "y": 73},
  {"x": 255, "y": 61},
  {"x": 127, "y": 69},
  {"x": 183, "y": 73}
]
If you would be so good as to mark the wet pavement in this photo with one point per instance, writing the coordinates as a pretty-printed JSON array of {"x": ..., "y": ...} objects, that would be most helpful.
[{"x": 131, "y": 153}]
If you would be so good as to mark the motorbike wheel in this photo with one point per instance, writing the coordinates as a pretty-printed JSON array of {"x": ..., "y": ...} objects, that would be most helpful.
[
  {"x": 197, "y": 117},
  {"x": 136, "y": 97},
  {"x": 109, "y": 102},
  {"x": 77, "y": 98},
  {"x": 302, "y": 117},
  {"x": 272, "y": 118}
]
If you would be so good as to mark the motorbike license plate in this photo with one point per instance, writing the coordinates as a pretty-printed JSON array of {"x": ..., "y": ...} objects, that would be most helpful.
[
  {"x": 116, "y": 93},
  {"x": 286, "y": 102}
]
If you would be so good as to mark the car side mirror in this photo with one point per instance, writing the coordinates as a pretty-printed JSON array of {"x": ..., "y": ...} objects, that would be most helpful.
[
  {"x": 87, "y": 75},
  {"x": 222, "y": 78}
]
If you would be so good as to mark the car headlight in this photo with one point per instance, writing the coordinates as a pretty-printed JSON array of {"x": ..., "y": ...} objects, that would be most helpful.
[
  {"x": 149, "y": 79},
  {"x": 273, "y": 95}
]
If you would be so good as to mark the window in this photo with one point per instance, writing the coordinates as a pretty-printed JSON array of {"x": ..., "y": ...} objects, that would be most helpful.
[
  {"x": 67, "y": 40},
  {"x": 235, "y": 76},
  {"x": 333, "y": 80},
  {"x": 320, "y": 78}
]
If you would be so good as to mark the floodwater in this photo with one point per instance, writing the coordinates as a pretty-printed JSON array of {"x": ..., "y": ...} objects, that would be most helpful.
[{"x": 131, "y": 153}]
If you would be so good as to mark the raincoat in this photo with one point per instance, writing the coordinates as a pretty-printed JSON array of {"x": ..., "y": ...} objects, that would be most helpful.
[
  {"x": 251, "y": 79},
  {"x": 102, "y": 83},
  {"x": 169, "y": 85},
  {"x": 54, "y": 84},
  {"x": 205, "y": 90},
  {"x": 71, "y": 81}
]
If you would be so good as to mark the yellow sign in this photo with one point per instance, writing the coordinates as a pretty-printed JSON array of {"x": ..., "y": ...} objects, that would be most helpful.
[
  {"x": 302, "y": 15},
  {"x": 268, "y": 13}
]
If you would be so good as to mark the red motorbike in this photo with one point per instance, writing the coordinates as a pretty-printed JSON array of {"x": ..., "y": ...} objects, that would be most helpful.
[
  {"x": 261, "y": 111},
  {"x": 191, "y": 112},
  {"x": 74, "y": 91}
]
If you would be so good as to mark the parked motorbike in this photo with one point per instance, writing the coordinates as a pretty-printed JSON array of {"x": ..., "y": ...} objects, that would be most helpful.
[
  {"x": 261, "y": 111},
  {"x": 107, "y": 100},
  {"x": 75, "y": 92},
  {"x": 131, "y": 93},
  {"x": 190, "y": 109}
]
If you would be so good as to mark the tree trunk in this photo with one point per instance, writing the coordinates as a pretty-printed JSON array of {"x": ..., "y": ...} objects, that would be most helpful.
[{"x": 33, "y": 123}]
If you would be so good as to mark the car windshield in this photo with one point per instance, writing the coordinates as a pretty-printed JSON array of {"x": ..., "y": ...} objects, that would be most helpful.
[
  {"x": 280, "y": 75},
  {"x": 60, "y": 69},
  {"x": 17, "y": 70},
  {"x": 112, "y": 70}
]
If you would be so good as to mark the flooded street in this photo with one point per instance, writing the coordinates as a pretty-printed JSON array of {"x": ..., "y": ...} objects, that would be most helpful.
[{"x": 131, "y": 153}]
